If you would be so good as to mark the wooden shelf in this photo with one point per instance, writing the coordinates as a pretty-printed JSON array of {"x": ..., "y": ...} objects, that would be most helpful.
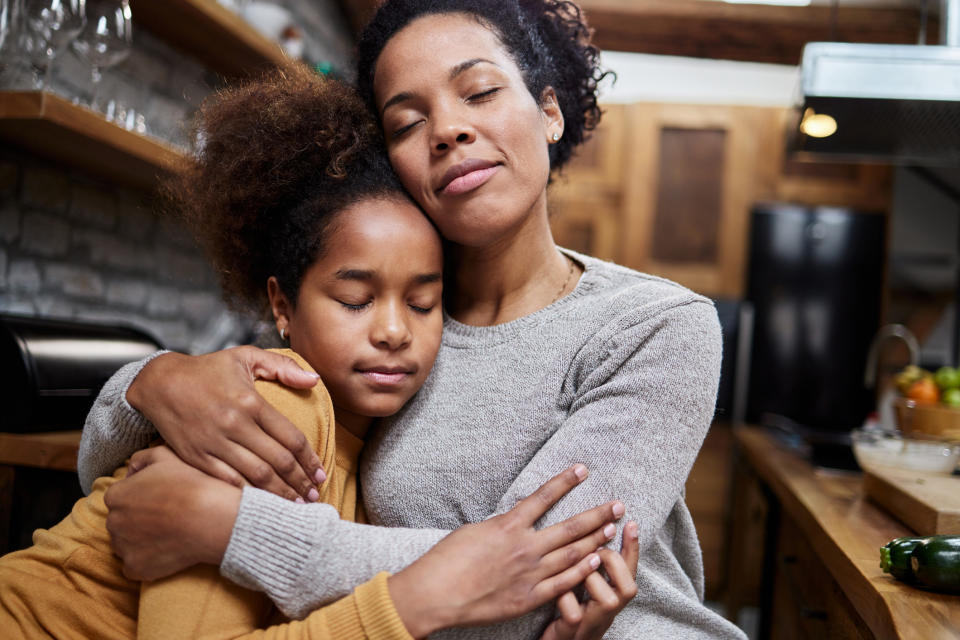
[
  {"x": 51, "y": 126},
  {"x": 211, "y": 33}
]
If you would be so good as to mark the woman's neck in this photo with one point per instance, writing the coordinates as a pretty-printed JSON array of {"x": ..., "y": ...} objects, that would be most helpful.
[{"x": 510, "y": 278}]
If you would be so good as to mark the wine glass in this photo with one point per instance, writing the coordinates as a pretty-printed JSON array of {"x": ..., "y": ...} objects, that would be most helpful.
[
  {"x": 48, "y": 26},
  {"x": 105, "y": 41}
]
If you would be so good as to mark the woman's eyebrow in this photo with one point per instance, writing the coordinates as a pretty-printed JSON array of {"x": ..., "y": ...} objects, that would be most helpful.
[
  {"x": 467, "y": 64},
  {"x": 427, "y": 278}
]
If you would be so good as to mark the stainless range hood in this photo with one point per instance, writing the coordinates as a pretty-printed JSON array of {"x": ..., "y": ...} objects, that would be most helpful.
[{"x": 895, "y": 104}]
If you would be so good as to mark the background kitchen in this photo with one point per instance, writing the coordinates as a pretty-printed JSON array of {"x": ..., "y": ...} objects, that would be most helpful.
[{"x": 699, "y": 173}]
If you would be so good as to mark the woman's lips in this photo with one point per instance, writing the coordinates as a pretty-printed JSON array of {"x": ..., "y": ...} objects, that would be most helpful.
[
  {"x": 466, "y": 175},
  {"x": 469, "y": 181}
]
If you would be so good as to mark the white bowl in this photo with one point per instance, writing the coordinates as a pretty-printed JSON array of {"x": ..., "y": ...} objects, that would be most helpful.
[{"x": 875, "y": 448}]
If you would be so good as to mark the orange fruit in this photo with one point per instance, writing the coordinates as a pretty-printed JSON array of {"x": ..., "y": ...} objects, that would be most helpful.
[{"x": 924, "y": 391}]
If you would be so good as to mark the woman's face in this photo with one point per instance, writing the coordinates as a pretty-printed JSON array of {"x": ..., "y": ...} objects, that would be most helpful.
[
  {"x": 467, "y": 139},
  {"x": 368, "y": 317}
]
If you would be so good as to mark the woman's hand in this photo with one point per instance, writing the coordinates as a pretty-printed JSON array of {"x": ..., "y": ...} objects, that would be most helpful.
[
  {"x": 166, "y": 516},
  {"x": 591, "y": 619},
  {"x": 502, "y": 568},
  {"x": 207, "y": 410}
]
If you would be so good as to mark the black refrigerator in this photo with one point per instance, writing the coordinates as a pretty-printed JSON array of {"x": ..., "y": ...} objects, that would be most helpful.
[{"x": 814, "y": 280}]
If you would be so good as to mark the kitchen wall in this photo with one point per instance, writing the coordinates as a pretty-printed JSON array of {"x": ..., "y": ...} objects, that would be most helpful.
[{"x": 77, "y": 247}]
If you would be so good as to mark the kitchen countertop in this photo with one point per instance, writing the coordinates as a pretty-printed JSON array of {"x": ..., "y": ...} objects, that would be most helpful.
[
  {"x": 48, "y": 450},
  {"x": 846, "y": 531}
]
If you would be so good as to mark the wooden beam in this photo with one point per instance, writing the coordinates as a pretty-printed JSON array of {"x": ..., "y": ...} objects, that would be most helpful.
[{"x": 755, "y": 33}]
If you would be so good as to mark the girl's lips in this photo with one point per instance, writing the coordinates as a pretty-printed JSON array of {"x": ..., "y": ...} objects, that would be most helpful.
[
  {"x": 469, "y": 181},
  {"x": 385, "y": 378}
]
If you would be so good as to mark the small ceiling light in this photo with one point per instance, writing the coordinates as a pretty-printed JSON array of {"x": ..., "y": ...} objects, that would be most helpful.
[{"x": 817, "y": 125}]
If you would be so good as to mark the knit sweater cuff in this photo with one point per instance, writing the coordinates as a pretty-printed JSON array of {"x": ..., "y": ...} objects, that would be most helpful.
[
  {"x": 270, "y": 539},
  {"x": 372, "y": 609},
  {"x": 138, "y": 430}
]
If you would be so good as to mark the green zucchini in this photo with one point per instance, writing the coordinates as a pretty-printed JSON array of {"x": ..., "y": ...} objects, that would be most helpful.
[
  {"x": 895, "y": 558},
  {"x": 931, "y": 562}
]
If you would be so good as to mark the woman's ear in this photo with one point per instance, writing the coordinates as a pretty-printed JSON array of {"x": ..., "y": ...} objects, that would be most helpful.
[
  {"x": 279, "y": 305},
  {"x": 552, "y": 115}
]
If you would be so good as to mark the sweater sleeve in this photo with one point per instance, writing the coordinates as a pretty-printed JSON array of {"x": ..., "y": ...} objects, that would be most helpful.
[
  {"x": 645, "y": 395},
  {"x": 113, "y": 430}
]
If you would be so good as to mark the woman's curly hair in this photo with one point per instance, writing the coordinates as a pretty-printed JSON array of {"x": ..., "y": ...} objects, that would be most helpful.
[
  {"x": 548, "y": 39},
  {"x": 279, "y": 158}
]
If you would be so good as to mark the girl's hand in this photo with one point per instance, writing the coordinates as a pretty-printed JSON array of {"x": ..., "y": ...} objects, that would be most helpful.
[
  {"x": 207, "y": 410},
  {"x": 502, "y": 568},
  {"x": 166, "y": 516},
  {"x": 591, "y": 619}
]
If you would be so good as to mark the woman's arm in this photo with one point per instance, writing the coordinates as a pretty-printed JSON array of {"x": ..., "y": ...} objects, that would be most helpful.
[{"x": 206, "y": 409}]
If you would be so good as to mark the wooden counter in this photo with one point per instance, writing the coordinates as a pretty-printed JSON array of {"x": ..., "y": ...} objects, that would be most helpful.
[
  {"x": 49, "y": 450},
  {"x": 825, "y": 513}
]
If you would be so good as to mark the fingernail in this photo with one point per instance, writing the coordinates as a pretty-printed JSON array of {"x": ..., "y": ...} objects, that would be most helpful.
[
  {"x": 618, "y": 510},
  {"x": 313, "y": 496},
  {"x": 609, "y": 530},
  {"x": 312, "y": 375},
  {"x": 580, "y": 470},
  {"x": 594, "y": 561},
  {"x": 320, "y": 476},
  {"x": 299, "y": 500},
  {"x": 632, "y": 529}
]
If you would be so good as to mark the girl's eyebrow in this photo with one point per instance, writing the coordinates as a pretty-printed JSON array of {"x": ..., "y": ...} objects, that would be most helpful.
[
  {"x": 353, "y": 274},
  {"x": 366, "y": 275},
  {"x": 454, "y": 72}
]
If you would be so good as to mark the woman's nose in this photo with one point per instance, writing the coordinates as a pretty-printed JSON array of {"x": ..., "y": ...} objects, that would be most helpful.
[
  {"x": 390, "y": 328},
  {"x": 449, "y": 130}
]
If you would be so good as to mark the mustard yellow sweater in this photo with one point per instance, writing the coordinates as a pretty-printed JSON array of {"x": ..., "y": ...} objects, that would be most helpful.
[{"x": 70, "y": 585}]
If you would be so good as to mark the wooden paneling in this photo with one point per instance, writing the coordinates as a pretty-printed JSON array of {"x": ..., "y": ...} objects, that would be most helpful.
[
  {"x": 689, "y": 193},
  {"x": 756, "y": 33},
  {"x": 667, "y": 189}
]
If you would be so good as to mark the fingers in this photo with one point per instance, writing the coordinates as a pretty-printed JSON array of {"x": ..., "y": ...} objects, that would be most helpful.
[
  {"x": 554, "y": 586},
  {"x": 296, "y": 461},
  {"x": 531, "y": 508},
  {"x": 570, "y": 610},
  {"x": 560, "y": 559},
  {"x": 144, "y": 458},
  {"x": 254, "y": 470},
  {"x": 266, "y": 365},
  {"x": 601, "y": 592},
  {"x": 630, "y": 547},
  {"x": 580, "y": 525}
]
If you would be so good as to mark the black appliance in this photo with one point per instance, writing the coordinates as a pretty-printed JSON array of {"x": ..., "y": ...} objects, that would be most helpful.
[
  {"x": 54, "y": 369},
  {"x": 815, "y": 283}
]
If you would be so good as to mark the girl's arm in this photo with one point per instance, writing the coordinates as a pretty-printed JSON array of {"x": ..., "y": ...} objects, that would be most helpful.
[{"x": 206, "y": 409}]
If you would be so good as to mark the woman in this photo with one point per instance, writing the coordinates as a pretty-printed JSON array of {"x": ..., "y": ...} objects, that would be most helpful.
[{"x": 548, "y": 357}]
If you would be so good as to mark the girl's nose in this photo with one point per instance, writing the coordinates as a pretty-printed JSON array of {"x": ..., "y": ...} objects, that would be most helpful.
[{"x": 390, "y": 329}]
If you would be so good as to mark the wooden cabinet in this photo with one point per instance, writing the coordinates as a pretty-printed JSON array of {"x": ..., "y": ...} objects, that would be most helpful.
[{"x": 667, "y": 189}]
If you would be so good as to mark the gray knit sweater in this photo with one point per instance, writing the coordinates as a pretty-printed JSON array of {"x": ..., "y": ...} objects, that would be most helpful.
[{"x": 620, "y": 375}]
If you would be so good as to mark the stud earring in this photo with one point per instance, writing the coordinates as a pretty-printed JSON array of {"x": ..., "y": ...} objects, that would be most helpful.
[
  {"x": 556, "y": 136},
  {"x": 282, "y": 332}
]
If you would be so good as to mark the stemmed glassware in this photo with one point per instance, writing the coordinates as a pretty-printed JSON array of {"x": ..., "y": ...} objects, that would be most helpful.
[
  {"x": 47, "y": 27},
  {"x": 105, "y": 41}
]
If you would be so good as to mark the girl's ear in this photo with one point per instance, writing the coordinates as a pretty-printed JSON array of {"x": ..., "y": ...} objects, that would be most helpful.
[
  {"x": 552, "y": 115},
  {"x": 279, "y": 305}
]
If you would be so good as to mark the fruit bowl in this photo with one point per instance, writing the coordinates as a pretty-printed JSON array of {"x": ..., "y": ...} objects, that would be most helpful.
[{"x": 927, "y": 421}]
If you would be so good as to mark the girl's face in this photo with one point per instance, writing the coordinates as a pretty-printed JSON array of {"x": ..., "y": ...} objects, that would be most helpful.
[
  {"x": 368, "y": 317},
  {"x": 467, "y": 139}
]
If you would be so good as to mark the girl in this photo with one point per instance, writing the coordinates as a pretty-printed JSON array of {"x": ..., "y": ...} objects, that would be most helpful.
[{"x": 292, "y": 189}]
